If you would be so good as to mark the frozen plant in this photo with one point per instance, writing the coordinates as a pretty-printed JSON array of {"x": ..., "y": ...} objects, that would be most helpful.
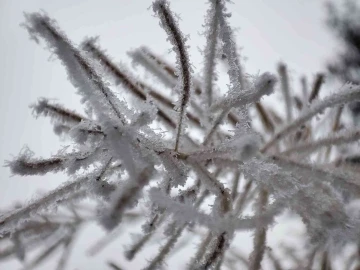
[{"x": 273, "y": 162}]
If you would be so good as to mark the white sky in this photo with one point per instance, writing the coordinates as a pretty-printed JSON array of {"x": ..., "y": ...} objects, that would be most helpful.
[{"x": 270, "y": 31}]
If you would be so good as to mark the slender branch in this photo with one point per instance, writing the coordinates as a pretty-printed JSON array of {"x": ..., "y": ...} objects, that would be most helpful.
[
  {"x": 25, "y": 164},
  {"x": 44, "y": 254},
  {"x": 335, "y": 127},
  {"x": 260, "y": 234},
  {"x": 168, "y": 22},
  {"x": 210, "y": 53},
  {"x": 284, "y": 79},
  {"x": 235, "y": 72},
  {"x": 217, "y": 251},
  {"x": 124, "y": 196},
  {"x": 348, "y": 94},
  {"x": 235, "y": 184},
  {"x": 319, "y": 80},
  {"x": 275, "y": 261},
  {"x": 165, "y": 250},
  {"x": 264, "y": 117},
  {"x": 240, "y": 203},
  {"x": 346, "y": 137},
  {"x": 345, "y": 181},
  {"x": 304, "y": 88},
  {"x": 200, "y": 251},
  {"x": 9, "y": 221},
  {"x": 216, "y": 123},
  {"x": 56, "y": 112},
  {"x": 114, "y": 266}
]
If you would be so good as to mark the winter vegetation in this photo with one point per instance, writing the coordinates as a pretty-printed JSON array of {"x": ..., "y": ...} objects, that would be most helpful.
[{"x": 183, "y": 156}]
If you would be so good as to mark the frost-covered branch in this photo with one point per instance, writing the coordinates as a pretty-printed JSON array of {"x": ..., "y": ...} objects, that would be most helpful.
[
  {"x": 56, "y": 112},
  {"x": 213, "y": 182},
  {"x": 9, "y": 221},
  {"x": 349, "y": 92},
  {"x": 169, "y": 24},
  {"x": 25, "y": 164},
  {"x": 343, "y": 138},
  {"x": 123, "y": 197},
  {"x": 209, "y": 74},
  {"x": 319, "y": 80},
  {"x": 284, "y": 80},
  {"x": 264, "y": 85},
  {"x": 257, "y": 255}
]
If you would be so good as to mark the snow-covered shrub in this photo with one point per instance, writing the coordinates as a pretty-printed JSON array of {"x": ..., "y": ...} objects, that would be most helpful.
[{"x": 229, "y": 151}]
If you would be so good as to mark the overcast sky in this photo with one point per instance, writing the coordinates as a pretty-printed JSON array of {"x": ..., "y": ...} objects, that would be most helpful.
[{"x": 269, "y": 31}]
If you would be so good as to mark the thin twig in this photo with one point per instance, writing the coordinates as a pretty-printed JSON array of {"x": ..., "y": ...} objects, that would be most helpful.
[
  {"x": 351, "y": 93},
  {"x": 170, "y": 26}
]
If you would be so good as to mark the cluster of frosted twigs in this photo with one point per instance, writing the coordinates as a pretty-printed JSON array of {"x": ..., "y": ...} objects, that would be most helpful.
[{"x": 139, "y": 145}]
